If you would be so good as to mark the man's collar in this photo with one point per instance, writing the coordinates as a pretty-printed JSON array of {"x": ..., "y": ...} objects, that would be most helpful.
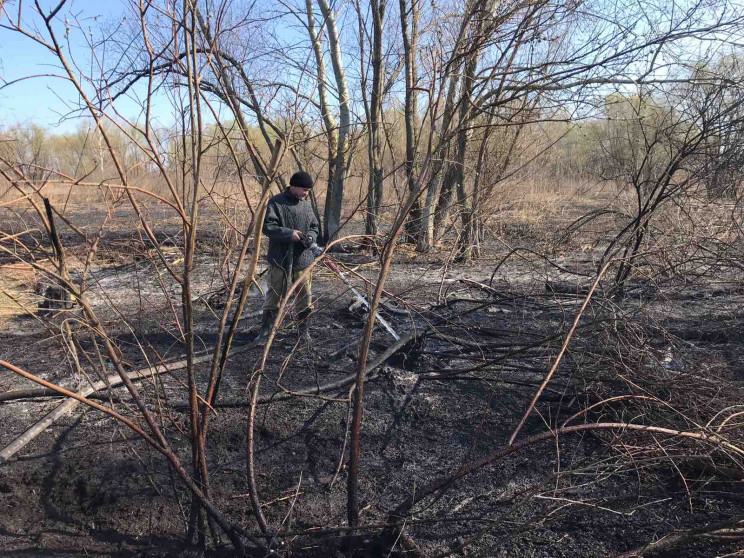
[{"x": 291, "y": 196}]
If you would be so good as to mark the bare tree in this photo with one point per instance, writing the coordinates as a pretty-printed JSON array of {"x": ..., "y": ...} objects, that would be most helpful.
[
  {"x": 373, "y": 111},
  {"x": 410, "y": 110},
  {"x": 478, "y": 83},
  {"x": 339, "y": 162},
  {"x": 657, "y": 147}
]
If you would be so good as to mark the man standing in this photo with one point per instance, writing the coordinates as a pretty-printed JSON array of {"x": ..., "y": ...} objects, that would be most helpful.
[{"x": 292, "y": 228}]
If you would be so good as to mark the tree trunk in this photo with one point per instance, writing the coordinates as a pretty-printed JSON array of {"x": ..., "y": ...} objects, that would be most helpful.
[
  {"x": 444, "y": 202},
  {"x": 413, "y": 227},
  {"x": 472, "y": 222},
  {"x": 374, "y": 141},
  {"x": 339, "y": 165},
  {"x": 426, "y": 239},
  {"x": 329, "y": 123},
  {"x": 465, "y": 204},
  {"x": 430, "y": 222}
]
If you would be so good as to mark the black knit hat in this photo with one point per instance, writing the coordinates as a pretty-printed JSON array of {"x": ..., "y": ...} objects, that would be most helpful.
[{"x": 301, "y": 179}]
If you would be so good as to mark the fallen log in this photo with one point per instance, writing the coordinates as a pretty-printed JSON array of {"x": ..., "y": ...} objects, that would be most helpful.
[
  {"x": 39, "y": 393},
  {"x": 346, "y": 380},
  {"x": 67, "y": 406},
  {"x": 318, "y": 390}
]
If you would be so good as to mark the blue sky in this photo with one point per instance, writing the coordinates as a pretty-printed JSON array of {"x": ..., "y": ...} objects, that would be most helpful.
[{"x": 45, "y": 100}]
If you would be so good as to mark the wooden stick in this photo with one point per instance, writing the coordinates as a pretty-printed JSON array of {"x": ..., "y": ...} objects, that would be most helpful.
[
  {"x": 467, "y": 468},
  {"x": 67, "y": 406},
  {"x": 560, "y": 354},
  {"x": 76, "y": 398}
]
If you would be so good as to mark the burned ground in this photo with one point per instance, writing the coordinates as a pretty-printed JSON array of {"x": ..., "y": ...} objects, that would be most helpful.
[{"x": 667, "y": 355}]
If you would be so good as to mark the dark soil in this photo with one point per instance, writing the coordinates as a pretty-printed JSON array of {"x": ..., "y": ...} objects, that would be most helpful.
[{"x": 89, "y": 486}]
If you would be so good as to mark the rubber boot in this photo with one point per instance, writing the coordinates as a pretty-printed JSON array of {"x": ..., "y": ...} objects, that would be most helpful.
[
  {"x": 266, "y": 320},
  {"x": 305, "y": 318}
]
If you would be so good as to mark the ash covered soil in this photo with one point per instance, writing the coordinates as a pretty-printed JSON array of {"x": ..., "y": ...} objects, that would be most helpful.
[{"x": 669, "y": 355}]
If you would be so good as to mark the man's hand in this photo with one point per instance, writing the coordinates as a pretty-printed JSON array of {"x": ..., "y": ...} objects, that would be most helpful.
[
  {"x": 302, "y": 238},
  {"x": 306, "y": 240}
]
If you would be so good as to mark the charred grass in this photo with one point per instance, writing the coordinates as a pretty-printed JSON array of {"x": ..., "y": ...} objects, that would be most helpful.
[{"x": 667, "y": 355}]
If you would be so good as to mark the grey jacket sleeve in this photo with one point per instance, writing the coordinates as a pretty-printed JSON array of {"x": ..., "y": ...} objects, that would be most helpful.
[
  {"x": 313, "y": 230},
  {"x": 272, "y": 226}
]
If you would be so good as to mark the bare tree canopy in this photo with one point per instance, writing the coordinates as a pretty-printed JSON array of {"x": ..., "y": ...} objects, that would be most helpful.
[{"x": 528, "y": 287}]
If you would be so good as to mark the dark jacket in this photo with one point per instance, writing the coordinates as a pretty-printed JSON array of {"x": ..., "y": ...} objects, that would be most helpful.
[{"x": 284, "y": 214}]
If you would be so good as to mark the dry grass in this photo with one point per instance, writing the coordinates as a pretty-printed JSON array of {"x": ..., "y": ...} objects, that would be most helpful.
[
  {"x": 58, "y": 193},
  {"x": 17, "y": 292},
  {"x": 63, "y": 193},
  {"x": 535, "y": 202}
]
